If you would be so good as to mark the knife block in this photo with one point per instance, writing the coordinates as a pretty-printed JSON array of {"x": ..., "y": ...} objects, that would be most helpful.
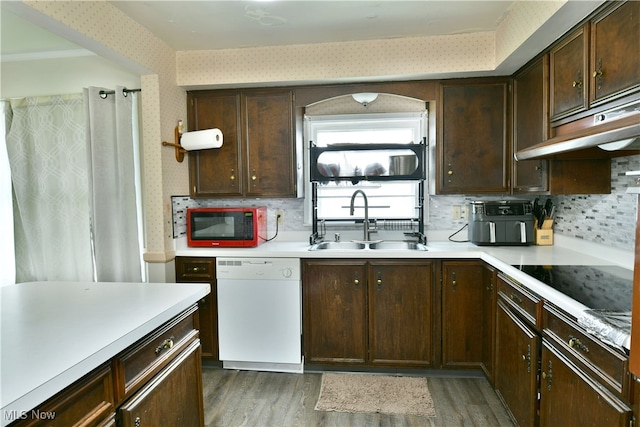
[{"x": 543, "y": 236}]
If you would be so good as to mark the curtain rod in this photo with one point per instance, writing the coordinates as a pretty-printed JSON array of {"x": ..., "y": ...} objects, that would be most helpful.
[{"x": 125, "y": 91}]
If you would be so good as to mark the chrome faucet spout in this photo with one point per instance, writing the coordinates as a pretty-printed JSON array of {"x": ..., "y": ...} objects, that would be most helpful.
[{"x": 366, "y": 211}]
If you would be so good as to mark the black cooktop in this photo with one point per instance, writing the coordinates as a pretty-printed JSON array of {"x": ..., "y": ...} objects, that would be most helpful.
[{"x": 602, "y": 287}]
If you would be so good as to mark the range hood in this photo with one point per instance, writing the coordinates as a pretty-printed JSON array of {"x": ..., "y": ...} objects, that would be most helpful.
[{"x": 614, "y": 130}]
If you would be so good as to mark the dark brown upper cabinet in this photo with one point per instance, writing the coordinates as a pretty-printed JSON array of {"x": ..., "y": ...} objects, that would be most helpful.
[
  {"x": 568, "y": 74},
  {"x": 257, "y": 158},
  {"x": 615, "y": 52},
  {"x": 474, "y": 137}
]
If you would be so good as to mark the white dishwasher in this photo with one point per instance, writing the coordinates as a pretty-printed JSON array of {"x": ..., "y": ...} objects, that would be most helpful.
[{"x": 260, "y": 313}]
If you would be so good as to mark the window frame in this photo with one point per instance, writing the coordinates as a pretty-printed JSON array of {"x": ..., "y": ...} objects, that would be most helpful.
[{"x": 417, "y": 121}]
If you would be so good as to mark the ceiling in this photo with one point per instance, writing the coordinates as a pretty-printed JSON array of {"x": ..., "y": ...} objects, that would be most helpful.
[
  {"x": 205, "y": 25},
  {"x": 208, "y": 25}
]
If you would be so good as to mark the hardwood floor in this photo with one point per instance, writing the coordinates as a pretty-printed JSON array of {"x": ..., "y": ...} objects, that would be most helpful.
[{"x": 248, "y": 398}]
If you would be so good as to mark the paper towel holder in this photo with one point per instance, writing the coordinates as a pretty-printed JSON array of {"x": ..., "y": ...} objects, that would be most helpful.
[{"x": 201, "y": 140}]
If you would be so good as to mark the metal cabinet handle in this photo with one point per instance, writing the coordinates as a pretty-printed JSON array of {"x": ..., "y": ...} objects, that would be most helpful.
[
  {"x": 168, "y": 343},
  {"x": 598, "y": 73},
  {"x": 516, "y": 298},
  {"x": 548, "y": 376},
  {"x": 137, "y": 422},
  {"x": 577, "y": 344},
  {"x": 578, "y": 82},
  {"x": 527, "y": 358},
  {"x": 233, "y": 175}
]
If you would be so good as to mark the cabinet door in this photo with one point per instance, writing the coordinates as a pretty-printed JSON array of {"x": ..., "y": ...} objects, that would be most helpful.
[
  {"x": 400, "y": 313},
  {"x": 462, "y": 294},
  {"x": 615, "y": 60},
  {"x": 568, "y": 397},
  {"x": 334, "y": 311},
  {"x": 217, "y": 171},
  {"x": 516, "y": 365},
  {"x": 634, "y": 354},
  {"x": 203, "y": 270},
  {"x": 171, "y": 398},
  {"x": 474, "y": 138},
  {"x": 568, "y": 75},
  {"x": 488, "y": 320},
  {"x": 270, "y": 154},
  {"x": 530, "y": 125}
]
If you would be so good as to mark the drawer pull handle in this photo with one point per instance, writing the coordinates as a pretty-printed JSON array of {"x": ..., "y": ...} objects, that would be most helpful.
[
  {"x": 516, "y": 298},
  {"x": 577, "y": 344},
  {"x": 548, "y": 376},
  {"x": 527, "y": 358},
  {"x": 168, "y": 343}
]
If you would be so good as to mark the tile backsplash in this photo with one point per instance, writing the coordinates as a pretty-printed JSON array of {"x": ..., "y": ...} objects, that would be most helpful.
[{"x": 608, "y": 219}]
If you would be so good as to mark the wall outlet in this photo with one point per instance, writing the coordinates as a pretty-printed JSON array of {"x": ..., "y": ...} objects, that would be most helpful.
[
  {"x": 280, "y": 216},
  {"x": 456, "y": 211}
]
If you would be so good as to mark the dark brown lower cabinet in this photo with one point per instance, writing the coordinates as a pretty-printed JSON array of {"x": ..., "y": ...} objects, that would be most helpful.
[
  {"x": 88, "y": 402},
  {"x": 171, "y": 397},
  {"x": 400, "y": 315},
  {"x": 334, "y": 311},
  {"x": 203, "y": 270},
  {"x": 516, "y": 365},
  {"x": 489, "y": 320},
  {"x": 569, "y": 397},
  {"x": 359, "y": 312},
  {"x": 462, "y": 307}
]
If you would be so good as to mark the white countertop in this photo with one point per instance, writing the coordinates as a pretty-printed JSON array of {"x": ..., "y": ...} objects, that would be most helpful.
[
  {"x": 54, "y": 333},
  {"x": 566, "y": 251}
]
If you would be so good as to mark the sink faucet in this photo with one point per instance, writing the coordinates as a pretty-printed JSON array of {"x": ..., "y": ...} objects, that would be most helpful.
[{"x": 367, "y": 230}]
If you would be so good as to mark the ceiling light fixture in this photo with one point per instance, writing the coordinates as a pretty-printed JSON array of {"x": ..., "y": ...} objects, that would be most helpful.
[{"x": 365, "y": 98}]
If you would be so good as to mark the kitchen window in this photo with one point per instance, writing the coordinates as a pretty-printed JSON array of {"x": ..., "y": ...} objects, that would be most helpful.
[{"x": 393, "y": 200}]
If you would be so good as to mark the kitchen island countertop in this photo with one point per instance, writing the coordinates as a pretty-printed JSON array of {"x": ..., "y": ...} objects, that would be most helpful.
[{"x": 54, "y": 333}]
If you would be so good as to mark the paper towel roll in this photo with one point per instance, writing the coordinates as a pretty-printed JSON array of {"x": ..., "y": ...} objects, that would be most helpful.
[{"x": 201, "y": 139}]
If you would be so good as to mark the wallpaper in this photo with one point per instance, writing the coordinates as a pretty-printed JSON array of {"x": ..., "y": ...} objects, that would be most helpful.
[{"x": 339, "y": 61}]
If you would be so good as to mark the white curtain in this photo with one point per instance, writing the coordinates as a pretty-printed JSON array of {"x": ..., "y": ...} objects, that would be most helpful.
[
  {"x": 112, "y": 185},
  {"x": 7, "y": 251},
  {"x": 46, "y": 145}
]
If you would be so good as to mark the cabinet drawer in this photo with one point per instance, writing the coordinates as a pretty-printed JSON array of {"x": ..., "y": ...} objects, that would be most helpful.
[
  {"x": 144, "y": 359},
  {"x": 602, "y": 362},
  {"x": 166, "y": 400},
  {"x": 88, "y": 402},
  {"x": 521, "y": 300},
  {"x": 195, "y": 269}
]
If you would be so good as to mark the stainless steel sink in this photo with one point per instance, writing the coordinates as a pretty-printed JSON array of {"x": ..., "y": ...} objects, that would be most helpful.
[
  {"x": 345, "y": 246},
  {"x": 411, "y": 246},
  {"x": 378, "y": 245}
]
